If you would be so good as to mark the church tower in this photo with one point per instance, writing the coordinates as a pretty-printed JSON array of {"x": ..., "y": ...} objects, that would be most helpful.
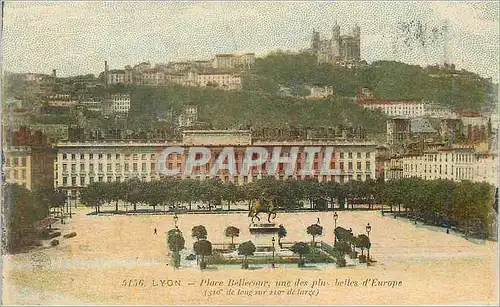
[
  {"x": 315, "y": 41},
  {"x": 335, "y": 42},
  {"x": 356, "y": 48}
]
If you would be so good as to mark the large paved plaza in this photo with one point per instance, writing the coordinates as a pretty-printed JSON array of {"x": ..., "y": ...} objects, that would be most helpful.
[{"x": 434, "y": 267}]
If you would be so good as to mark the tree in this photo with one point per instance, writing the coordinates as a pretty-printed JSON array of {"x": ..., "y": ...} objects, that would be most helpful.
[
  {"x": 232, "y": 232},
  {"x": 175, "y": 242},
  {"x": 202, "y": 248},
  {"x": 342, "y": 248},
  {"x": 247, "y": 249},
  {"x": 199, "y": 232},
  {"x": 363, "y": 242},
  {"x": 314, "y": 230},
  {"x": 281, "y": 234},
  {"x": 116, "y": 192},
  {"x": 133, "y": 195},
  {"x": 302, "y": 249}
]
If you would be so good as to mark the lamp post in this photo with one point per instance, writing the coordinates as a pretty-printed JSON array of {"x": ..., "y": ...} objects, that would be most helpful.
[
  {"x": 335, "y": 217},
  {"x": 176, "y": 257},
  {"x": 176, "y": 218},
  {"x": 368, "y": 229},
  {"x": 272, "y": 263}
]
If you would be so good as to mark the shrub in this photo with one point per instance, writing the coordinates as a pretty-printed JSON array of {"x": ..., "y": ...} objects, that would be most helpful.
[
  {"x": 362, "y": 259},
  {"x": 215, "y": 258},
  {"x": 301, "y": 263},
  {"x": 54, "y": 235},
  {"x": 203, "y": 265},
  {"x": 244, "y": 265},
  {"x": 341, "y": 262},
  {"x": 191, "y": 257},
  {"x": 70, "y": 235},
  {"x": 54, "y": 242}
]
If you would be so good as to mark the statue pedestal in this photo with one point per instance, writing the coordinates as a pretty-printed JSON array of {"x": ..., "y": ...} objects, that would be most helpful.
[{"x": 262, "y": 236}]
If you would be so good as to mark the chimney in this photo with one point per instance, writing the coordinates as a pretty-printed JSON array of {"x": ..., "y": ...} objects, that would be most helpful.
[
  {"x": 106, "y": 73},
  {"x": 54, "y": 75}
]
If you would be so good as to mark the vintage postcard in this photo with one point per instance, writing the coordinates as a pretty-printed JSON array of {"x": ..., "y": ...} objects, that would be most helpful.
[{"x": 249, "y": 153}]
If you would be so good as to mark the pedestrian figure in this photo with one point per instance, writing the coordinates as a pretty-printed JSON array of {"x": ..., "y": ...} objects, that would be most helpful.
[
  {"x": 156, "y": 231},
  {"x": 317, "y": 221}
]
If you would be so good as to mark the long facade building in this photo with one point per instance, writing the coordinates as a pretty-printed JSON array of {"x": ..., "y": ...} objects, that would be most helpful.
[
  {"x": 79, "y": 164},
  {"x": 452, "y": 164}
]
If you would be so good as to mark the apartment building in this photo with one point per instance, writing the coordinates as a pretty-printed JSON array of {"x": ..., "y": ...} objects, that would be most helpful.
[
  {"x": 446, "y": 163},
  {"x": 120, "y": 103},
  {"x": 400, "y": 108},
  {"x": 234, "y": 60},
  {"x": 220, "y": 79}
]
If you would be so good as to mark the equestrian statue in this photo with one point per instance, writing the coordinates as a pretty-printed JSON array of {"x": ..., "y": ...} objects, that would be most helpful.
[{"x": 262, "y": 205}]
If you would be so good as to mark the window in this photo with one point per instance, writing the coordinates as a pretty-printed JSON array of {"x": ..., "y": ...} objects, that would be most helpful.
[
  {"x": 342, "y": 166},
  {"x": 350, "y": 155},
  {"x": 117, "y": 156},
  {"x": 99, "y": 178},
  {"x": 143, "y": 156},
  {"x": 73, "y": 181},
  {"x": 100, "y": 156},
  {"x": 73, "y": 167},
  {"x": 108, "y": 156},
  {"x": 100, "y": 167},
  {"x": 126, "y": 167},
  {"x": 368, "y": 155},
  {"x": 108, "y": 179},
  {"x": 143, "y": 167},
  {"x": 65, "y": 167},
  {"x": 358, "y": 166},
  {"x": 108, "y": 167},
  {"x": 82, "y": 181},
  {"x": 23, "y": 174},
  {"x": 65, "y": 181},
  {"x": 91, "y": 180},
  {"x": 7, "y": 162},
  {"x": 358, "y": 155},
  {"x": 82, "y": 156},
  {"x": 358, "y": 177},
  {"x": 91, "y": 167},
  {"x": 134, "y": 167},
  {"x": 134, "y": 156},
  {"x": 65, "y": 156},
  {"x": 82, "y": 167},
  {"x": 341, "y": 155},
  {"x": 153, "y": 166},
  {"x": 15, "y": 162},
  {"x": 368, "y": 177},
  {"x": 350, "y": 166},
  {"x": 368, "y": 165},
  {"x": 127, "y": 156},
  {"x": 91, "y": 156},
  {"x": 73, "y": 156},
  {"x": 23, "y": 161}
]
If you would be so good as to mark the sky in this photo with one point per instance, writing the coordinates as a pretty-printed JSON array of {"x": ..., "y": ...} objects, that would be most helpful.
[{"x": 76, "y": 37}]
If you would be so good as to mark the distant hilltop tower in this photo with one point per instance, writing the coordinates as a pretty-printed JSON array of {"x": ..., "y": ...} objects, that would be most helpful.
[{"x": 340, "y": 49}]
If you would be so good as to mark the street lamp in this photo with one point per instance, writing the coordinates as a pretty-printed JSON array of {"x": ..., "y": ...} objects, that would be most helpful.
[
  {"x": 368, "y": 229},
  {"x": 176, "y": 218},
  {"x": 335, "y": 217},
  {"x": 272, "y": 264}
]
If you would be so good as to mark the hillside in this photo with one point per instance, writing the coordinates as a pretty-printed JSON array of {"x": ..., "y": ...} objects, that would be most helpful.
[
  {"x": 239, "y": 109},
  {"x": 460, "y": 90}
]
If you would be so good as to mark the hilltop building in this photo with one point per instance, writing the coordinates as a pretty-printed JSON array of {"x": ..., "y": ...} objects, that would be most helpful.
[{"x": 340, "y": 49}]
